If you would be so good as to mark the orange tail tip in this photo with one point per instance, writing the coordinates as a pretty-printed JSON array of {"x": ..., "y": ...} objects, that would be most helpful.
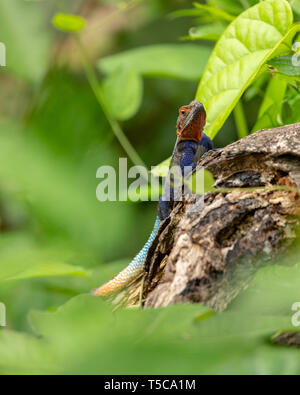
[
  {"x": 106, "y": 289},
  {"x": 117, "y": 283}
]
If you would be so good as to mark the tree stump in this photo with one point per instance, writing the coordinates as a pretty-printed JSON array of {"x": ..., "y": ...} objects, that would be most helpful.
[{"x": 208, "y": 256}]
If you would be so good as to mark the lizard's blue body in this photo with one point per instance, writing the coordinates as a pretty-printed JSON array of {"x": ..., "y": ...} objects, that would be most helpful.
[{"x": 185, "y": 155}]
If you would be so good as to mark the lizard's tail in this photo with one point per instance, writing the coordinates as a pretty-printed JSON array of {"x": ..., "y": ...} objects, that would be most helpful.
[{"x": 131, "y": 272}]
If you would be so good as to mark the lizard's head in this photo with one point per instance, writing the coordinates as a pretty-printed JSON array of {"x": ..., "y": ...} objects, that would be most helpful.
[{"x": 191, "y": 121}]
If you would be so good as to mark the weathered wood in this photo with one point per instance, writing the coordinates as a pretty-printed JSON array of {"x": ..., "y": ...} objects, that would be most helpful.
[{"x": 208, "y": 253}]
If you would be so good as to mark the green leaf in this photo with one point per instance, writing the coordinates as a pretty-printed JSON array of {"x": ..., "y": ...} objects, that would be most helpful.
[
  {"x": 216, "y": 12},
  {"x": 201, "y": 345},
  {"x": 270, "y": 111},
  {"x": 202, "y": 17},
  {"x": 27, "y": 42},
  {"x": 205, "y": 13},
  {"x": 21, "y": 259},
  {"x": 140, "y": 332},
  {"x": 211, "y": 31},
  {"x": 19, "y": 271},
  {"x": 286, "y": 65},
  {"x": 186, "y": 339},
  {"x": 182, "y": 339},
  {"x": 179, "y": 61},
  {"x": 123, "y": 90},
  {"x": 68, "y": 23},
  {"x": 233, "y": 7},
  {"x": 249, "y": 41}
]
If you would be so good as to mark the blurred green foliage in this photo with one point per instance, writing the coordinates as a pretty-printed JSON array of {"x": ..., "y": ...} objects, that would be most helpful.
[{"x": 73, "y": 102}]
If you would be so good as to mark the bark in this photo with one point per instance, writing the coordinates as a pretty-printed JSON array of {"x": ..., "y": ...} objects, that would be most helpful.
[{"x": 208, "y": 249}]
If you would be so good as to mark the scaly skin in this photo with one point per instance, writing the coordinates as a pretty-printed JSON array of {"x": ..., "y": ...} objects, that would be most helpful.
[{"x": 191, "y": 144}]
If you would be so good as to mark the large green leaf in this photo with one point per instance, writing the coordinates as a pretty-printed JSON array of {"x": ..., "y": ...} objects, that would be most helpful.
[
  {"x": 26, "y": 41},
  {"x": 180, "y": 61},
  {"x": 249, "y": 41},
  {"x": 186, "y": 339}
]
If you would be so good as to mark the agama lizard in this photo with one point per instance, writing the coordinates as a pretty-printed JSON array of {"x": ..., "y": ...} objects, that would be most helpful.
[{"x": 191, "y": 144}]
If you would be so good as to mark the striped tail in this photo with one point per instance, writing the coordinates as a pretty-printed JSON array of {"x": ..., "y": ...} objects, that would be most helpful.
[{"x": 131, "y": 272}]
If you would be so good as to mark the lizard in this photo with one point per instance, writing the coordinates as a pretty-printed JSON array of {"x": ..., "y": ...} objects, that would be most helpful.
[{"x": 190, "y": 145}]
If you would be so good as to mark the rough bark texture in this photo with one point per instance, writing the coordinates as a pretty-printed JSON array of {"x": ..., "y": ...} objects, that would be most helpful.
[{"x": 207, "y": 251}]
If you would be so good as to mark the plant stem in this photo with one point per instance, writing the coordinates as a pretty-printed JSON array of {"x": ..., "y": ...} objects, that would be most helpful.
[
  {"x": 95, "y": 85},
  {"x": 240, "y": 120}
]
